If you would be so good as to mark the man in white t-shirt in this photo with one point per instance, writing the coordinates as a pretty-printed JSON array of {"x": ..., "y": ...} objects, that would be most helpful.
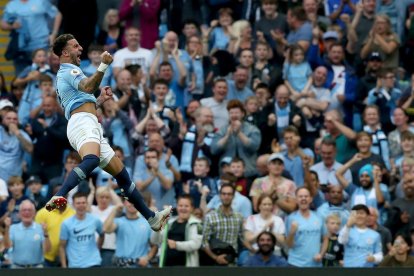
[{"x": 133, "y": 53}]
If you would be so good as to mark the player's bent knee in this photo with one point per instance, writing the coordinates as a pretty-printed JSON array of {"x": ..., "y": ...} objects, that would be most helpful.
[{"x": 88, "y": 164}]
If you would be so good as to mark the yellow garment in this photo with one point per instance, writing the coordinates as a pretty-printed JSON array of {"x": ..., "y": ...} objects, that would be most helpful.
[{"x": 53, "y": 220}]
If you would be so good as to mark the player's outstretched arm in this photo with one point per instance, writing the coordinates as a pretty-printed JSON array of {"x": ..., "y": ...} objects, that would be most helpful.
[{"x": 91, "y": 84}]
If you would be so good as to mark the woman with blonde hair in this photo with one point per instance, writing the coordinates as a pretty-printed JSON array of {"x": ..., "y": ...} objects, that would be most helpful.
[
  {"x": 111, "y": 34},
  {"x": 383, "y": 40},
  {"x": 241, "y": 37}
]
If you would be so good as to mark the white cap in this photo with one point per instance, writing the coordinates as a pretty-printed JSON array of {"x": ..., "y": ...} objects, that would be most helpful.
[
  {"x": 275, "y": 156},
  {"x": 5, "y": 103}
]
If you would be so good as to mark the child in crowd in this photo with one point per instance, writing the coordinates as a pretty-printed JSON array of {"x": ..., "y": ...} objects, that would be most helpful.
[
  {"x": 32, "y": 95},
  {"x": 10, "y": 207},
  {"x": 252, "y": 110},
  {"x": 262, "y": 69},
  {"x": 407, "y": 146},
  {"x": 47, "y": 90},
  {"x": 94, "y": 56},
  {"x": 237, "y": 168},
  {"x": 297, "y": 72},
  {"x": 202, "y": 183},
  {"x": 332, "y": 252},
  {"x": 161, "y": 104},
  {"x": 262, "y": 93}
]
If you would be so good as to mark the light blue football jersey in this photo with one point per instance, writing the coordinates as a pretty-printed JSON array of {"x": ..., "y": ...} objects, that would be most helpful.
[{"x": 69, "y": 95}]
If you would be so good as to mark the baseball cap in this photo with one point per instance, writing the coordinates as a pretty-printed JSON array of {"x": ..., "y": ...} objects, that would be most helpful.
[
  {"x": 330, "y": 35},
  {"x": 375, "y": 56},
  {"x": 5, "y": 103},
  {"x": 275, "y": 156},
  {"x": 33, "y": 179},
  {"x": 225, "y": 161}
]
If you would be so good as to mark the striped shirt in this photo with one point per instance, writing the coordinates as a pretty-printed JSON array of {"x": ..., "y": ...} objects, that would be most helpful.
[{"x": 227, "y": 228}]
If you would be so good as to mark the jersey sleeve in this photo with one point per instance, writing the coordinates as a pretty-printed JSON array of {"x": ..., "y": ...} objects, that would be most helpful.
[
  {"x": 64, "y": 232},
  {"x": 99, "y": 229},
  {"x": 73, "y": 76}
]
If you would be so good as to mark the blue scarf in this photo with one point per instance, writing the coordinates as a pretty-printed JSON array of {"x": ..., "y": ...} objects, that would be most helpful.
[{"x": 188, "y": 148}]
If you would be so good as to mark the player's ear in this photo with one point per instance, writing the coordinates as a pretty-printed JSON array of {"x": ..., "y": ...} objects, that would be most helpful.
[{"x": 65, "y": 52}]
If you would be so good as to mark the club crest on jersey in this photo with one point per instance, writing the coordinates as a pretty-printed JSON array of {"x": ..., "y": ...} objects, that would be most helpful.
[{"x": 74, "y": 72}]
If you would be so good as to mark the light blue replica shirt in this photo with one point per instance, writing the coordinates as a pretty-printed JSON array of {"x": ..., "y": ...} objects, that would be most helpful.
[
  {"x": 161, "y": 196},
  {"x": 307, "y": 241},
  {"x": 218, "y": 39},
  {"x": 11, "y": 154},
  {"x": 297, "y": 74},
  {"x": 81, "y": 249},
  {"x": 360, "y": 244},
  {"x": 27, "y": 244},
  {"x": 132, "y": 237},
  {"x": 295, "y": 166},
  {"x": 235, "y": 94},
  {"x": 69, "y": 95},
  {"x": 32, "y": 95},
  {"x": 34, "y": 16}
]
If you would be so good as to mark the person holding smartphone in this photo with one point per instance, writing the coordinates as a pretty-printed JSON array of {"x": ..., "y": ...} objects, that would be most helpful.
[{"x": 362, "y": 246}]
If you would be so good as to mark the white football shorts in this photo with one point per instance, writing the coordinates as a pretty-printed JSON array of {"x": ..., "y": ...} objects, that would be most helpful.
[{"x": 83, "y": 127}]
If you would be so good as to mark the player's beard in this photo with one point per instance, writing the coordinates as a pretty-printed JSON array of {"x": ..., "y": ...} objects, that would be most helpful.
[{"x": 75, "y": 59}]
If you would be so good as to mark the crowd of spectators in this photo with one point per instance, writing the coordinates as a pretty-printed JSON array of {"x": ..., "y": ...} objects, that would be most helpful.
[{"x": 281, "y": 131}]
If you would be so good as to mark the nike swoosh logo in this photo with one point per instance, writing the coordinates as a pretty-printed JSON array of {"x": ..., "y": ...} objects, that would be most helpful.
[{"x": 78, "y": 231}]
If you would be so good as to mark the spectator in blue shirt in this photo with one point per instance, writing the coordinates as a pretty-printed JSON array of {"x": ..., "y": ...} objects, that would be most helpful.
[
  {"x": 78, "y": 246},
  {"x": 238, "y": 88},
  {"x": 28, "y": 238},
  {"x": 362, "y": 245},
  {"x": 10, "y": 207},
  {"x": 133, "y": 233},
  {"x": 304, "y": 232},
  {"x": 265, "y": 257},
  {"x": 13, "y": 143},
  {"x": 156, "y": 178},
  {"x": 30, "y": 19}
]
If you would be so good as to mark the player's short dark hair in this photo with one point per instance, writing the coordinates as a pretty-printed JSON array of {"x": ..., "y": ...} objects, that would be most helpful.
[{"x": 60, "y": 43}]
